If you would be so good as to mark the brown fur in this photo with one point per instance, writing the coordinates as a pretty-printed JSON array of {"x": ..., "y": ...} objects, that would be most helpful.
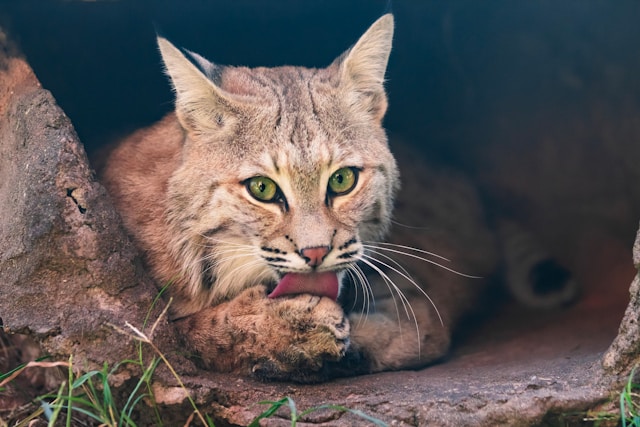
[
  {"x": 179, "y": 187},
  {"x": 271, "y": 338}
]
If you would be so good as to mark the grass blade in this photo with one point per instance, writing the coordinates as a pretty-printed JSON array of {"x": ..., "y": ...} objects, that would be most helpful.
[
  {"x": 57, "y": 408},
  {"x": 269, "y": 412}
]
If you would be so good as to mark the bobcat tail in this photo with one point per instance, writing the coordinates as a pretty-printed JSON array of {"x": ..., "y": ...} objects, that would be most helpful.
[{"x": 532, "y": 276}]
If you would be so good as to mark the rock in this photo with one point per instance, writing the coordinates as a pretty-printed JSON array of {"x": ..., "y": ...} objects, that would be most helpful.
[
  {"x": 636, "y": 251},
  {"x": 624, "y": 353},
  {"x": 67, "y": 268}
]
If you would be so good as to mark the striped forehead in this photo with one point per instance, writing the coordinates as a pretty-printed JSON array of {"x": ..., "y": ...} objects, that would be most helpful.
[
  {"x": 302, "y": 165},
  {"x": 292, "y": 88},
  {"x": 304, "y": 141}
]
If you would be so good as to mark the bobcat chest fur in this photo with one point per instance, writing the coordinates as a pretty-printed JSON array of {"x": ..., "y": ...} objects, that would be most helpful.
[{"x": 263, "y": 201}]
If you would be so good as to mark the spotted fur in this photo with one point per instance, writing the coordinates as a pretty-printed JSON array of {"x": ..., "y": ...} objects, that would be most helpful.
[{"x": 181, "y": 187}]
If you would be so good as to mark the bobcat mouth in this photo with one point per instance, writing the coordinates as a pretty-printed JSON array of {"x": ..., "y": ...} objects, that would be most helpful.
[{"x": 321, "y": 284}]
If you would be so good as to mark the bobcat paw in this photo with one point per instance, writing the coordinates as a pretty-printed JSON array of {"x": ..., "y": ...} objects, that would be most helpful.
[
  {"x": 310, "y": 332},
  {"x": 287, "y": 338}
]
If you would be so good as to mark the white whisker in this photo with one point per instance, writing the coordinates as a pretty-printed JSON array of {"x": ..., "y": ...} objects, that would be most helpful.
[
  {"x": 410, "y": 279},
  {"x": 232, "y": 242},
  {"x": 412, "y": 227},
  {"x": 430, "y": 261},
  {"x": 400, "y": 266},
  {"x": 392, "y": 286},
  {"x": 366, "y": 289},
  {"x": 360, "y": 279},
  {"x": 411, "y": 248},
  {"x": 225, "y": 242},
  {"x": 223, "y": 281},
  {"x": 215, "y": 254},
  {"x": 405, "y": 302},
  {"x": 356, "y": 283},
  {"x": 217, "y": 262}
]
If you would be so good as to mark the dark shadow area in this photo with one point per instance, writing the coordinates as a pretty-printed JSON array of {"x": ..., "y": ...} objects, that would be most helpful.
[{"x": 455, "y": 65}]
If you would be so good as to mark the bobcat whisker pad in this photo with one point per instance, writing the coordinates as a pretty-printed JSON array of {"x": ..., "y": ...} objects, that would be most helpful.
[{"x": 267, "y": 181}]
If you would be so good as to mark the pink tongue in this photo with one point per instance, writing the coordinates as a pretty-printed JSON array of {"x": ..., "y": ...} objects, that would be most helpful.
[{"x": 321, "y": 284}]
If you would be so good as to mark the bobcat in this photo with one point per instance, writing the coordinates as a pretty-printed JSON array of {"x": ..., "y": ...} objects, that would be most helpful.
[{"x": 263, "y": 201}]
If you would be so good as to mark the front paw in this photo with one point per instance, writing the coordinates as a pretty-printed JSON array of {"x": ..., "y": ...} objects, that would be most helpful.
[{"x": 309, "y": 333}]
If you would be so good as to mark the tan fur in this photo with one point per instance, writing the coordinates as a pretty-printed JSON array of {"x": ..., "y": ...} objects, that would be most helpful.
[
  {"x": 275, "y": 339},
  {"x": 180, "y": 188}
]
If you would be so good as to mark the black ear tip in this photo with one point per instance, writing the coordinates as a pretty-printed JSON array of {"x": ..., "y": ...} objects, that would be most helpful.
[
  {"x": 388, "y": 8},
  {"x": 158, "y": 29}
]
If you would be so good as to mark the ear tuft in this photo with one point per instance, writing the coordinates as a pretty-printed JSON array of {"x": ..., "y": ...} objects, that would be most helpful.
[{"x": 211, "y": 70}]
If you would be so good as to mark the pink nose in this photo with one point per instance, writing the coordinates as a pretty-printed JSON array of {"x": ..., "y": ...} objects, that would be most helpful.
[{"x": 314, "y": 256}]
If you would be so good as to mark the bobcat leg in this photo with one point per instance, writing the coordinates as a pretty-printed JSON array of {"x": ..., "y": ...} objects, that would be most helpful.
[
  {"x": 392, "y": 338},
  {"x": 411, "y": 331},
  {"x": 289, "y": 338}
]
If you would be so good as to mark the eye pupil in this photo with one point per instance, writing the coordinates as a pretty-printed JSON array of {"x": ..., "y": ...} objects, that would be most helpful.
[
  {"x": 343, "y": 181},
  {"x": 262, "y": 188}
]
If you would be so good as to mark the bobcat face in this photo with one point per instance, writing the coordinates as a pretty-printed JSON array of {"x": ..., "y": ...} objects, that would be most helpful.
[
  {"x": 285, "y": 172},
  {"x": 305, "y": 218}
]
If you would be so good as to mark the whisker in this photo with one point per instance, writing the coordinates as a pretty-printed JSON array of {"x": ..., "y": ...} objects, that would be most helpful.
[
  {"x": 405, "y": 302},
  {"x": 366, "y": 289},
  {"x": 217, "y": 253},
  {"x": 418, "y": 287},
  {"x": 227, "y": 242},
  {"x": 430, "y": 261},
  {"x": 214, "y": 265},
  {"x": 370, "y": 296},
  {"x": 356, "y": 283},
  {"x": 411, "y": 248},
  {"x": 217, "y": 257},
  {"x": 390, "y": 283},
  {"x": 400, "y": 266},
  {"x": 358, "y": 276},
  {"x": 412, "y": 227},
  {"x": 241, "y": 268},
  {"x": 353, "y": 280}
]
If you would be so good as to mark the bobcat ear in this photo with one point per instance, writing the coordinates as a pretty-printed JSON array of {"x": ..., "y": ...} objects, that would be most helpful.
[
  {"x": 362, "y": 67},
  {"x": 201, "y": 106}
]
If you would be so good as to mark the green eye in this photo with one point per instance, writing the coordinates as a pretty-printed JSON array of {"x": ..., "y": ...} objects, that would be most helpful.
[
  {"x": 263, "y": 188},
  {"x": 343, "y": 180}
]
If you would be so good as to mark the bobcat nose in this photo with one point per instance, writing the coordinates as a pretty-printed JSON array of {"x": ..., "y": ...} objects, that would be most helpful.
[{"x": 314, "y": 256}]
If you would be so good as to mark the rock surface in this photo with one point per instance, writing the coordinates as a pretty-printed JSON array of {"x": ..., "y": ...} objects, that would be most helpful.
[
  {"x": 68, "y": 271},
  {"x": 624, "y": 352},
  {"x": 67, "y": 268}
]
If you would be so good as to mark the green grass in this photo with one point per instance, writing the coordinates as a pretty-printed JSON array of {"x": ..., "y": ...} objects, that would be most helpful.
[
  {"x": 295, "y": 416},
  {"x": 626, "y": 415},
  {"x": 630, "y": 403},
  {"x": 88, "y": 395}
]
